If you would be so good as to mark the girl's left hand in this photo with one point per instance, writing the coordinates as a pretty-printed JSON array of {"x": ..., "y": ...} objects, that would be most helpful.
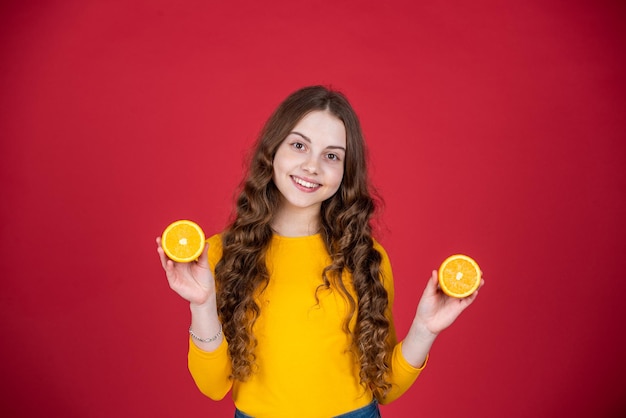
[{"x": 436, "y": 311}]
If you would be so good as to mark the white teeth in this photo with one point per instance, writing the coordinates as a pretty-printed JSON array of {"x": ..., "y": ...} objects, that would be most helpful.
[{"x": 305, "y": 183}]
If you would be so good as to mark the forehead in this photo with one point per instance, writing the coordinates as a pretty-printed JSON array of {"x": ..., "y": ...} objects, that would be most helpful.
[{"x": 323, "y": 127}]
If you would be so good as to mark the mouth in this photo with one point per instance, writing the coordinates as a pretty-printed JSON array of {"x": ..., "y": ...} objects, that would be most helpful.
[{"x": 305, "y": 184}]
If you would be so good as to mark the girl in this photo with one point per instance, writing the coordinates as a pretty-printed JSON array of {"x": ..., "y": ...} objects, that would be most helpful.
[{"x": 291, "y": 305}]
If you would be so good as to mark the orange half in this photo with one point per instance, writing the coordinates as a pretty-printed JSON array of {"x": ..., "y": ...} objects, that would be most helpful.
[
  {"x": 459, "y": 276},
  {"x": 183, "y": 241}
]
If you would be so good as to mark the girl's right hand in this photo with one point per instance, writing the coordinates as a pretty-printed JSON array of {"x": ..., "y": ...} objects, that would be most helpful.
[{"x": 193, "y": 281}]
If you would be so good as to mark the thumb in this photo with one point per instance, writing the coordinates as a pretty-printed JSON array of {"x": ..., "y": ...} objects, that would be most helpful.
[{"x": 203, "y": 260}]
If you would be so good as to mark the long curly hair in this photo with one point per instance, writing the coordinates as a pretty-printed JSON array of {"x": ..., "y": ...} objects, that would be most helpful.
[{"x": 346, "y": 230}]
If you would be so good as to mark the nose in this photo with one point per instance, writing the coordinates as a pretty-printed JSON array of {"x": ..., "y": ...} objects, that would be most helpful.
[{"x": 310, "y": 165}]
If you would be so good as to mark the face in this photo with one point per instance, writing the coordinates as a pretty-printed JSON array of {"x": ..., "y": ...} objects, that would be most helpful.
[{"x": 309, "y": 163}]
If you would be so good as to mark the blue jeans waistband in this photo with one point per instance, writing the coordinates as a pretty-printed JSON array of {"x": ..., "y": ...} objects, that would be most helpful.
[{"x": 368, "y": 411}]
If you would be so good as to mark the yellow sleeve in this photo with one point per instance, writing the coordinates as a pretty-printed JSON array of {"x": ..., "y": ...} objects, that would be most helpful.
[
  {"x": 211, "y": 370},
  {"x": 402, "y": 374},
  {"x": 215, "y": 251}
]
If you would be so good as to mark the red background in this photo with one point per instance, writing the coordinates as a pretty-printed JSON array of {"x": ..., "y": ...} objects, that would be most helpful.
[{"x": 495, "y": 128}]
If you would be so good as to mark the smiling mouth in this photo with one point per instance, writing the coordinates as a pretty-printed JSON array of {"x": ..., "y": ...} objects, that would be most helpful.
[{"x": 304, "y": 183}]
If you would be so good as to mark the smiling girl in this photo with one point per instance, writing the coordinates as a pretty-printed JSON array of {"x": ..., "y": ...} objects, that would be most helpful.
[{"x": 291, "y": 305}]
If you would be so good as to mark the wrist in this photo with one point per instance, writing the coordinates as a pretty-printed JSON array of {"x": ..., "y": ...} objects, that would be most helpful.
[
  {"x": 205, "y": 307},
  {"x": 205, "y": 311},
  {"x": 205, "y": 340},
  {"x": 420, "y": 332},
  {"x": 417, "y": 344}
]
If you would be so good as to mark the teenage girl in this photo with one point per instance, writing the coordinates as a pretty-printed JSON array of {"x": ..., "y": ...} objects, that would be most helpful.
[{"x": 291, "y": 305}]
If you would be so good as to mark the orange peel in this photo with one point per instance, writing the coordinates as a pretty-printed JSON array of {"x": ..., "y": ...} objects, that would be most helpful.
[
  {"x": 183, "y": 241},
  {"x": 459, "y": 276}
]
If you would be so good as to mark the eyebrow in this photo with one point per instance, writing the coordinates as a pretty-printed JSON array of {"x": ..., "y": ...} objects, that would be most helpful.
[{"x": 309, "y": 141}]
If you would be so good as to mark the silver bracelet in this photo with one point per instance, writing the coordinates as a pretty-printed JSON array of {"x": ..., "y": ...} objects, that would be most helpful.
[{"x": 206, "y": 340}]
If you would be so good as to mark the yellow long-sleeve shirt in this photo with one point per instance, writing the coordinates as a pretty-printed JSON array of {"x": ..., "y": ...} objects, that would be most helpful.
[{"x": 304, "y": 360}]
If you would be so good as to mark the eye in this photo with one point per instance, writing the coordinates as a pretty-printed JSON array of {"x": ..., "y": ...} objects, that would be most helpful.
[
  {"x": 298, "y": 145},
  {"x": 332, "y": 157}
]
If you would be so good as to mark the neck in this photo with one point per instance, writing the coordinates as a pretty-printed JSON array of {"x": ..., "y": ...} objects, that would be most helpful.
[{"x": 296, "y": 223}]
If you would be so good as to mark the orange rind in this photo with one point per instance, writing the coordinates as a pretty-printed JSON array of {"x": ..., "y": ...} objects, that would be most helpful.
[
  {"x": 459, "y": 276},
  {"x": 183, "y": 241}
]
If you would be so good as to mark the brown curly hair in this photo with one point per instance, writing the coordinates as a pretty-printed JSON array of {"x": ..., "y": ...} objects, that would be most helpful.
[{"x": 345, "y": 221}]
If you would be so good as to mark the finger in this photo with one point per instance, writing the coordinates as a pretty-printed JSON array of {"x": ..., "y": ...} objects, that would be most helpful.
[
  {"x": 203, "y": 260},
  {"x": 480, "y": 286},
  {"x": 162, "y": 257},
  {"x": 167, "y": 263},
  {"x": 431, "y": 285},
  {"x": 470, "y": 299}
]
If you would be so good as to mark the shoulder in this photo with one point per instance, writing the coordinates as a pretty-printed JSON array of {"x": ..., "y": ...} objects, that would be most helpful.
[
  {"x": 385, "y": 265},
  {"x": 379, "y": 247},
  {"x": 383, "y": 253},
  {"x": 215, "y": 240},
  {"x": 215, "y": 249}
]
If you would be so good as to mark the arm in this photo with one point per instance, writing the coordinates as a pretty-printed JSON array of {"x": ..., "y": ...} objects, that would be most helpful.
[
  {"x": 402, "y": 374},
  {"x": 435, "y": 312},
  {"x": 194, "y": 282}
]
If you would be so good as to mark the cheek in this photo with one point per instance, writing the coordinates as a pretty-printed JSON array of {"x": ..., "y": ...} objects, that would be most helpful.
[
  {"x": 338, "y": 176},
  {"x": 283, "y": 159},
  {"x": 278, "y": 162}
]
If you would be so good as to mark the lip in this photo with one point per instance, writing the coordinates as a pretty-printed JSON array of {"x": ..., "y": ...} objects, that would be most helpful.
[{"x": 304, "y": 188}]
